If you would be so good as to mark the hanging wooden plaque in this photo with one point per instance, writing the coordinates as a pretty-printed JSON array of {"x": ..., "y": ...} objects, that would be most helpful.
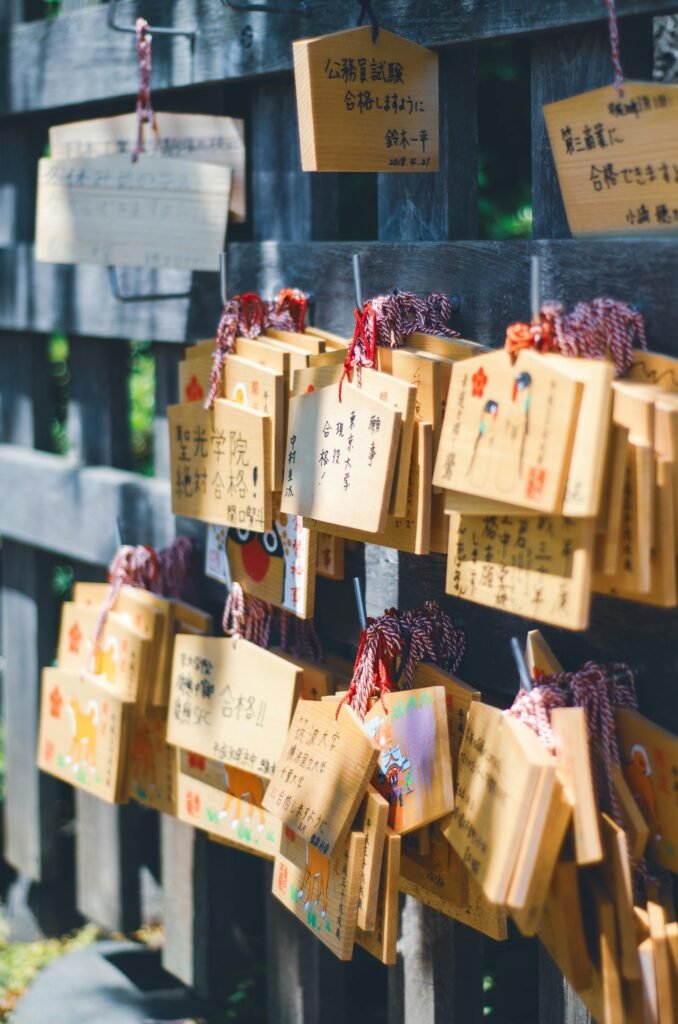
[
  {"x": 402, "y": 396},
  {"x": 152, "y": 214},
  {"x": 508, "y": 431},
  {"x": 226, "y": 802},
  {"x": 371, "y": 821},
  {"x": 572, "y": 749},
  {"x": 120, "y": 662},
  {"x": 382, "y": 938},
  {"x": 83, "y": 731},
  {"x": 650, "y": 763},
  {"x": 615, "y": 159},
  {"x": 278, "y": 566},
  {"x": 411, "y": 531},
  {"x": 414, "y": 771},
  {"x": 331, "y": 551},
  {"x": 538, "y": 566},
  {"x": 221, "y": 468},
  {"x": 152, "y": 762},
  {"x": 201, "y": 138},
  {"x": 321, "y": 891},
  {"x": 562, "y": 927},
  {"x": 366, "y": 105},
  {"x": 340, "y": 457},
  {"x": 440, "y": 879},
  {"x": 500, "y": 769},
  {"x": 231, "y": 700},
  {"x": 259, "y": 387},
  {"x": 458, "y": 698},
  {"x": 322, "y": 774}
]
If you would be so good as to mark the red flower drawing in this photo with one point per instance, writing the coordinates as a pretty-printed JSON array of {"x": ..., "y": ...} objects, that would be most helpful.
[
  {"x": 74, "y": 638},
  {"x": 479, "y": 382},
  {"x": 193, "y": 390},
  {"x": 55, "y": 702}
]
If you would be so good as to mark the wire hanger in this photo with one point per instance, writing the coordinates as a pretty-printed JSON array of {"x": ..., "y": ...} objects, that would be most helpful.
[
  {"x": 155, "y": 30},
  {"x": 121, "y": 296}
]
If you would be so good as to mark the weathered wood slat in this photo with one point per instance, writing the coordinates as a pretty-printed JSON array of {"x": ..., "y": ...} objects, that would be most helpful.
[
  {"x": 75, "y": 58},
  {"x": 59, "y": 506},
  {"x": 98, "y": 416},
  {"x": 32, "y": 800},
  {"x": 635, "y": 271}
]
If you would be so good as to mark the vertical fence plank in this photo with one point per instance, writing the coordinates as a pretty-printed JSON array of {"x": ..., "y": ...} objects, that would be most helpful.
[
  {"x": 167, "y": 359},
  {"x": 564, "y": 64},
  {"x": 107, "y": 837},
  {"x": 289, "y": 205},
  {"x": 438, "y": 976}
]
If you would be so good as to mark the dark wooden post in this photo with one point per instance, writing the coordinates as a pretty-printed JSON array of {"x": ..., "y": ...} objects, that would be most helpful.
[
  {"x": 564, "y": 64},
  {"x": 439, "y": 972}
]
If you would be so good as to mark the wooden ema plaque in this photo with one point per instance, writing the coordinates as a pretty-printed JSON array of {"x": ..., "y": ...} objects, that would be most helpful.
[
  {"x": 410, "y": 532},
  {"x": 331, "y": 552},
  {"x": 221, "y": 470},
  {"x": 226, "y": 802},
  {"x": 322, "y": 774},
  {"x": 278, "y": 566},
  {"x": 536, "y": 566},
  {"x": 503, "y": 770},
  {"x": 317, "y": 678},
  {"x": 458, "y": 698},
  {"x": 200, "y": 138},
  {"x": 153, "y": 214},
  {"x": 259, "y": 387},
  {"x": 194, "y": 378},
  {"x": 562, "y": 930},
  {"x": 381, "y": 940},
  {"x": 321, "y": 891},
  {"x": 615, "y": 159},
  {"x": 414, "y": 770},
  {"x": 439, "y": 878},
  {"x": 508, "y": 430},
  {"x": 152, "y": 762},
  {"x": 371, "y": 821},
  {"x": 83, "y": 731},
  {"x": 364, "y": 105},
  {"x": 402, "y": 396},
  {"x": 231, "y": 700},
  {"x": 340, "y": 458},
  {"x": 649, "y": 757},
  {"x": 119, "y": 664}
]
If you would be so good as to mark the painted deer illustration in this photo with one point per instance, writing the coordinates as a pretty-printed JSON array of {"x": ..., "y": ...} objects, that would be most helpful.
[
  {"x": 84, "y": 728},
  {"x": 316, "y": 877},
  {"x": 638, "y": 775},
  {"x": 243, "y": 786},
  {"x": 142, "y": 754},
  {"x": 104, "y": 659}
]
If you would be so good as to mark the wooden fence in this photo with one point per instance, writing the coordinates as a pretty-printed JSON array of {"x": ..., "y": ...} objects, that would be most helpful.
[{"x": 218, "y": 918}]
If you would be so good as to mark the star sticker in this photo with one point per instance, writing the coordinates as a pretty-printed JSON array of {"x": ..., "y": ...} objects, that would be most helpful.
[
  {"x": 194, "y": 393},
  {"x": 74, "y": 638},
  {"x": 55, "y": 702}
]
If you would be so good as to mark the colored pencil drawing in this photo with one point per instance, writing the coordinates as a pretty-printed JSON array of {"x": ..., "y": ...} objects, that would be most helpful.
[
  {"x": 407, "y": 741},
  {"x": 638, "y": 772}
]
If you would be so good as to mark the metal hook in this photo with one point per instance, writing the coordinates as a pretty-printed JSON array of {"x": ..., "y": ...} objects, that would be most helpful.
[
  {"x": 152, "y": 297},
  {"x": 357, "y": 280},
  {"x": 521, "y": 665},
  {"x": 156, "y": 31},
  {"x": 360, "y": 604},
  {"x": 302, "y": 9},
  {"x": 223, "y": 264},
  {"x": 535, "y": 288}
]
